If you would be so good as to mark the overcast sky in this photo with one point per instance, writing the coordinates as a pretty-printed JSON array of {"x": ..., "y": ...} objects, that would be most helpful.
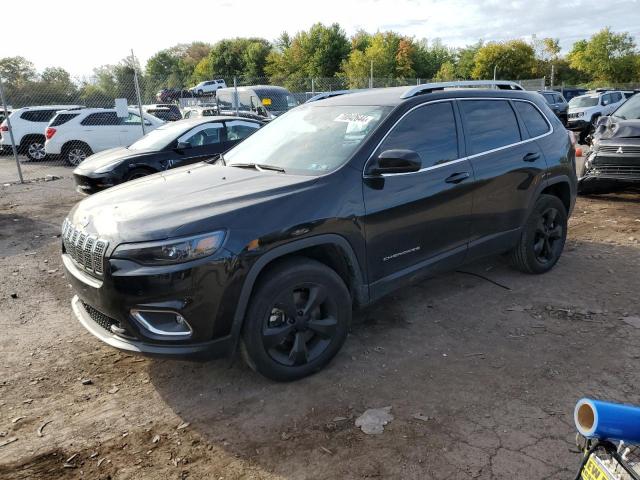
[{"x": 80, "y": 34}]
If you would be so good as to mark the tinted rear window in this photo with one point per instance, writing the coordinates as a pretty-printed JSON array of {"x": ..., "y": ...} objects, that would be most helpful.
[
  {"x": 532, "y": 119},
  {"x": 489, "y": 124},
  {"x": 38, "y": 115},
  {"x": 61, "y": 118}
]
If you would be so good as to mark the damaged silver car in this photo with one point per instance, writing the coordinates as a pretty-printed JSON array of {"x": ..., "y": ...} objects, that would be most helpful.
[{"x": 614, "y": 160}]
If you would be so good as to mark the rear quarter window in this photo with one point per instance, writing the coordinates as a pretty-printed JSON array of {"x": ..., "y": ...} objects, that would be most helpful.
[
  {"x": 38, "y": 115},
  {"x": 533, "y": 120},
  {"x": 62, "y": 118},
  {"x": 489, "y": 124}
]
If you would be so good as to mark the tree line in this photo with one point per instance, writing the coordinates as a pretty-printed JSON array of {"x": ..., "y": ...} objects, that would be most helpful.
[{"x": 326, "y": 52}]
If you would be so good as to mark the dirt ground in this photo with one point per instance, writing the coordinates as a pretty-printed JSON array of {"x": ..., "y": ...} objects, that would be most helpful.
[{"x": 482, "y": 378}]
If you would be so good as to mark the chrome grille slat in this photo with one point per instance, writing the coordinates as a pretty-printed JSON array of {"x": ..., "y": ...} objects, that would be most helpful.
[
  {"x": 626, "y": 149},
  {"x": 86, "y": 250}
]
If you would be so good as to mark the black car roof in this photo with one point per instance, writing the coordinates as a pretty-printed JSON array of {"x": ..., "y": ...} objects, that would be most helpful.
[
  {"x": 192, "y": 122},
  {"x": 394, "y": 96}
]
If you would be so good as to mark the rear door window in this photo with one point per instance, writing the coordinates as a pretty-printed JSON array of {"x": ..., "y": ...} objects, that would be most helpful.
[
  {"x": 489, "y": 124},
  {"x": 430, "y": 131},
  {"x": 101, "y": 118},
  {"x": 239, "y": 129},
  {"x": 533, "y": 120},
  {"x": 62, "y": 118}
]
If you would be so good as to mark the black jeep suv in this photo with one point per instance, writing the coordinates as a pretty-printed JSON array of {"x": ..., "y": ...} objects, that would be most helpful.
[{"x": 329, "y": 207}]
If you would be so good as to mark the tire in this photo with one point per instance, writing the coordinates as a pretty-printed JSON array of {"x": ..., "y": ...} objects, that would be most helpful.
[
  {"x": 76, "y": 152},
  {"x": 297, "y": 320},
  {"x": 137, "y": 173},
  {"x": 34, "y": 148},
  {"x": 543, "y": 237}
]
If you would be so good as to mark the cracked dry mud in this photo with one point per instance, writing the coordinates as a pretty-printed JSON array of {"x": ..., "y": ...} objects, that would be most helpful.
[{"x": 482, "y": 380}]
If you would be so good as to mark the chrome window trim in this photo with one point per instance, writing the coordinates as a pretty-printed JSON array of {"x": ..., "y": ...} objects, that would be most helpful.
[
  {"x": 137, "y": 313},
  {"x": 469, "y": 157}
]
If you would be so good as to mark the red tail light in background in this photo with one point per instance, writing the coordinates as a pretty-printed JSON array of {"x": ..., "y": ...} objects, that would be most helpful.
[
  {"x": 4, "y": 128},
  {"x": 50, "y": 132}
]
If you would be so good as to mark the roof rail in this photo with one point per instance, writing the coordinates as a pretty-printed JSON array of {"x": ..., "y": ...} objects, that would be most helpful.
[{"x": 431, "y": 87}]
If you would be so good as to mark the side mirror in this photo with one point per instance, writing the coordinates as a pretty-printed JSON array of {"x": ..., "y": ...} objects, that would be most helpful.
[
  {"x": 183, "y": 146},
  {"x": 397, "y": 161}
]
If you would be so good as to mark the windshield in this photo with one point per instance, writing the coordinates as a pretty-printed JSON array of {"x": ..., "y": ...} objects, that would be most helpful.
[
  {"x": 583, "y": 101},
  {"x": 277, "y": 101},
  {"x": 309, "y": 140},
  {"x": 160, "y": 137},
  {"x": 630, "y": 110}
]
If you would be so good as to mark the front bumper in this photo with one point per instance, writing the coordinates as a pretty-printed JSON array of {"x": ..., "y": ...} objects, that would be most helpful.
[
  {"x": 577, "y": 124},
  {"x": 95, "y": 183},
  {"x": 107, "y": 306},
  {"x": 90, "y": 319},
  {"x": 611, "y": 169}
]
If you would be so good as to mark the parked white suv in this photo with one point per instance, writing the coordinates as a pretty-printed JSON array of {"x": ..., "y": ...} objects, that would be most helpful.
[
  {"x": 208, "y": 87},
  {"x": 76, "y": 134},
  {"x": 585, "y": 110},
  {"x": 28, "y": 124}
]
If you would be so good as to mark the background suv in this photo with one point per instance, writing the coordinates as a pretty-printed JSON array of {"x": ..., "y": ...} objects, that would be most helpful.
[
  {"x": 29, "y": 124},
  {"x": 331, "y": 206},
  {"x": 209, "y": 87},
  {"x": 585, "y": 110},
  {"x": 557, "y": 104},
  {"x": 76, "y": 134}
]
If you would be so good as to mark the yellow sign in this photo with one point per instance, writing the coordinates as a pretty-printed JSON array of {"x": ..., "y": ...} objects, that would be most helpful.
[
  {"x": 593, "y": 471},
  {"x": 266, "y": 102}
]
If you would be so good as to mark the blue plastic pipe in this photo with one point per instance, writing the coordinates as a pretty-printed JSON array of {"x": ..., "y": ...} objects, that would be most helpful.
[{"x": 605, "y": 420}]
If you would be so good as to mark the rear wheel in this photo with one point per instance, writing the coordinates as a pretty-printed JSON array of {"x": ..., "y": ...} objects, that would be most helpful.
[
  {"x": 542, "y": 238},
  {"x": 297, "y": 320},
  {"x": 76, "y": 152},
  {"x": 34, "y": 148}
]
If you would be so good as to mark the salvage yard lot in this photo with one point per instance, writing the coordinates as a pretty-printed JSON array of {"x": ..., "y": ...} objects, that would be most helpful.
[{"x": 482, "y": 377}]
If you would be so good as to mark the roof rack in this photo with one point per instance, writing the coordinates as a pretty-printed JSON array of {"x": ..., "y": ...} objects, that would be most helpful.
[{"x": 431, "y": 87}]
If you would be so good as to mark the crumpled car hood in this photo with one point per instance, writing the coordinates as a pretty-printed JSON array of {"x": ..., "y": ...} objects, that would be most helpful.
[{"x": 618, "y": 129}]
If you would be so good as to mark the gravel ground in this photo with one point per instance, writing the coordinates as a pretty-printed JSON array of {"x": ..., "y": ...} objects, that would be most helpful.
[{"x": 481, "y": 377}]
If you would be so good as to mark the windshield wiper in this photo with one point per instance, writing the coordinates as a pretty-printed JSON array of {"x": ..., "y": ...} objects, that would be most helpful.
[
  {"x": 258, "y": 166},
  {"x": 217, "y": 157}
]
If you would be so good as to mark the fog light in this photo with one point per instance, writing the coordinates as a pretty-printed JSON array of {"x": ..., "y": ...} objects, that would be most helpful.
[{"x": 163, "y": 322}]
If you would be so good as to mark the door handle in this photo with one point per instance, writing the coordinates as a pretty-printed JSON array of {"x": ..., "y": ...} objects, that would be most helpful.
[
  {"x": 457, "y": 177},
  {"x": 531, "y": 157}
]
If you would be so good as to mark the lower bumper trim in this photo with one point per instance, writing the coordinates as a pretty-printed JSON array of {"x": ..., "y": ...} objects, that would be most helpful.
[{"x": 215, "y": 348}]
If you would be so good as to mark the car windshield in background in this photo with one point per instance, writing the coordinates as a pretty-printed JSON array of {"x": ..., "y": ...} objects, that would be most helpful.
[
  {"x": 583, "y": 102},
  {"x": 159, "y": 138},
  {"x": 276, "y": 101},
  {"x": 630, "y": 110},
  {"x": 310, "y": 140}
]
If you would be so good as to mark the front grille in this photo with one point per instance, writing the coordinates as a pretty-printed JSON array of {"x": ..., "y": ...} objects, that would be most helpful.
[
  {"x": 630, "y": 172},
  {"x": 86, "y": 250},
  {"x": 620, "y": 149},
  {"x": 575, "y": 115},
  {"x": 100, "y": 318}
]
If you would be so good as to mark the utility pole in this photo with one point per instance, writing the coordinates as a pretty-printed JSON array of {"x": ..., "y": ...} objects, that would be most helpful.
[
  {"x": 371, "y": 76},
  {"x": 495, "y": 71},
  {"x": 552, "y": 75}
]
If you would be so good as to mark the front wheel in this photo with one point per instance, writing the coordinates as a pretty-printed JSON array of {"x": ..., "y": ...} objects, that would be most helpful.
[
  {"x": 297, "y": 320},
  {"x": 543, "y": 237}
]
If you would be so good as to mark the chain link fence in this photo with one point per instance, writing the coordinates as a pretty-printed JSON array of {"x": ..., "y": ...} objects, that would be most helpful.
[{"x": 44, "y": 138}]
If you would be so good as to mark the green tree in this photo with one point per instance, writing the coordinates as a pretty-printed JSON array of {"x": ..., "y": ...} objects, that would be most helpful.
[
  {"x": 16, "y": 71},
  {"x": 465, "y": 60},
  {"x": 446, "y": 73},
  {"x": 239, "y": 57},
  {"x": 384, "y": 55},
  {"x": 430, "y": 57},
  {"x": 515, "y": 60},
  {"x": 606, "y": 57}
]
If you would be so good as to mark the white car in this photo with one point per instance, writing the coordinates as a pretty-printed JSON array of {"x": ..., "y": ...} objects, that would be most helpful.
[
  {"x": 28, "y": 124},
  {"x": 76, "y": 134},
  {"x": 208, "y": 87},
  {"x": 585, "y": 110}
]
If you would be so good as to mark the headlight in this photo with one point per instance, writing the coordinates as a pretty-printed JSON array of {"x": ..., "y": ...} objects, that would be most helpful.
[
  {"x": 169, "y": 252},
  {"x": 580, "y": 114},
  {"x": 108, "y": 167}
]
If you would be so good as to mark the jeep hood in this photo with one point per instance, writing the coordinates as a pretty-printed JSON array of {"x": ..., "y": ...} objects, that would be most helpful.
[{"x": 183, "y": 201}]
